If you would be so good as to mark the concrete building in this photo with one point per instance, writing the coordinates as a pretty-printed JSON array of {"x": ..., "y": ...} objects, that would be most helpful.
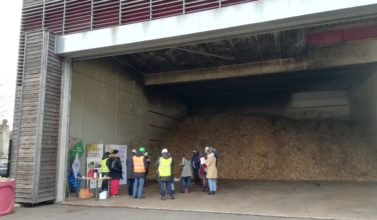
[
  {"x": 4, "y": 139},
  {"x": 127, "y": 72}
]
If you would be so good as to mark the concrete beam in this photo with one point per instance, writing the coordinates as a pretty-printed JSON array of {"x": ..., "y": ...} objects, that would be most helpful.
[
  {"x": 248, "y": 18},
  {"x": 350, "y": 53},
  {"x": 65, "y": 109}
]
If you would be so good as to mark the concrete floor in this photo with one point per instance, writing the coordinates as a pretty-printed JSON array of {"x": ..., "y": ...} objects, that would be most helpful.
[
  {"x": 62, "y": 212},
  {"x": 322, "y": 200}
]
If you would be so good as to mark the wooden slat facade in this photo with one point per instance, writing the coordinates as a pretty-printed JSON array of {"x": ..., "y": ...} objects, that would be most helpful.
[{"x": 36, "y": 119}]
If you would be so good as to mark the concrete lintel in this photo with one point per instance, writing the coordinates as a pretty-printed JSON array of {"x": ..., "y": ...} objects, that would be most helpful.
[
  {"x": 248, "y": 18},
  {"x": 357, "y": 52}
]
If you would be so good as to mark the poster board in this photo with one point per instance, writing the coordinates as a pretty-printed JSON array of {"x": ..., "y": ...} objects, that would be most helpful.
[
  {"x": 123, "y": 158},
  {"x": 94, "y": 153}
]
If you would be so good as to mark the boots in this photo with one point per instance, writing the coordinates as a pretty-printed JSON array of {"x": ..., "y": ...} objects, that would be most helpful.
[{"x": 211, "y": 193}]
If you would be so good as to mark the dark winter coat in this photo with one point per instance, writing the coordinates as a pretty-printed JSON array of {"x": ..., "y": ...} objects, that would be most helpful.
[
  {"x": 195, "y": 161},
  {"x": 130, "y": 166},
  {"x": 115, "y": 167}
]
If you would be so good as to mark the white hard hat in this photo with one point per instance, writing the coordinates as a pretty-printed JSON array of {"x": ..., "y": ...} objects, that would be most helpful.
[{"x": 164, "y": 150}]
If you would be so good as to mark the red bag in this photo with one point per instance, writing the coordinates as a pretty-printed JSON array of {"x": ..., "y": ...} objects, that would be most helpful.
[
  {"x": 90, "y": 173},
  {"x": 202, "y": 170}
]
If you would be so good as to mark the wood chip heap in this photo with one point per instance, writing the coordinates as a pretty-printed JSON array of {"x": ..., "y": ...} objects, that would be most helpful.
[{"x": 277, "y": 148}]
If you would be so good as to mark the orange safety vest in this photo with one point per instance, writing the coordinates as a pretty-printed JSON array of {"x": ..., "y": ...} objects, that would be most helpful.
[{"x": 138, "y": 164}]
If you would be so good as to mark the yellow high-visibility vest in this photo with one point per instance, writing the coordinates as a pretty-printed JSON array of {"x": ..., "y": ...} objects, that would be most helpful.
[
  {"x": 164, "y": 167},
  {"x": 104, "y": 168},
  {"x": 138, "y": 164}
]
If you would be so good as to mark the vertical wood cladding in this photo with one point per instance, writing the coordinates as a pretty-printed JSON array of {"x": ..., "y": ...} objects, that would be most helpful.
[{"x": 36, "y": 119}]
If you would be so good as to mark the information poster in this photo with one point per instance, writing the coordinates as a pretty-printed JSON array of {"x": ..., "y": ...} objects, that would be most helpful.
[
  {"x": 94, "y": 154},
  {"x": 123, "y": 158}
]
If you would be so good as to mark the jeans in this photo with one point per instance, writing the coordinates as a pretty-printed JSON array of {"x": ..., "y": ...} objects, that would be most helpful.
[
  {"x": 138, "y": 187},
  {"x": 212, "y": 183},
  {"x": 165, "y": 185},
  {"x": 130, "y": 183},
  {"x": 184, "y": 181}
]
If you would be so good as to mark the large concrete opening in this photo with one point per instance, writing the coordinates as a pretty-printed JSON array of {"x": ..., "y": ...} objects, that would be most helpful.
[{"x": 302, "y": 114}]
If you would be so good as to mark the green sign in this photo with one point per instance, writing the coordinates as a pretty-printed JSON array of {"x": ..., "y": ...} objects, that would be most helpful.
[{"x": 78, "y": 148}]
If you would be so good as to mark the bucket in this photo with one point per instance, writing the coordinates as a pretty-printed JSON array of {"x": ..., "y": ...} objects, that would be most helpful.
[
  {"x": 7, "y": 187},
  {"x": 103, "y": 195},
  {"x": 85, "y": 193}
]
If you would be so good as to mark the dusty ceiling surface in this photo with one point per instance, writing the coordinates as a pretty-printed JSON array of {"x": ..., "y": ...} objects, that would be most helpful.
[
  {"x": 245, "y": 49},
  {"x": 242, "y": 49},
  {"x": 235, "y": 50}
]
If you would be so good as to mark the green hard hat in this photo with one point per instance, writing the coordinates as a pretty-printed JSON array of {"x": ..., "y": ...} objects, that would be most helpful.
[{"x": 141, "y": 149}]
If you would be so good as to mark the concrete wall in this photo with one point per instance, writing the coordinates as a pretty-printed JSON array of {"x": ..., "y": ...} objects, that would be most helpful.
[
  {"x": 363, "y": 99},
  {"x": 110, "y": 105},
  {"x": 306, "y": 105}
]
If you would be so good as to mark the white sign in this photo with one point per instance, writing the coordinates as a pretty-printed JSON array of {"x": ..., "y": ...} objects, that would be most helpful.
[
  {"x": 94, "y": 154},
  {"x": 123, "y": 160},
  {"x": 76, "y": 165}
]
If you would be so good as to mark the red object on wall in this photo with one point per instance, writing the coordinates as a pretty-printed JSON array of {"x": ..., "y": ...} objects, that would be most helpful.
[
  {"x": 7, "y": 189},
  {"x": 338, "y": 36},
  {"x": 324, "y": 38},
  {"x": 360, "y": 33}
]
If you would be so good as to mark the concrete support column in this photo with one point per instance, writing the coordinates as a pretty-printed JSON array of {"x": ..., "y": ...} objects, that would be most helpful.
[{"x": 65, "y": 106}]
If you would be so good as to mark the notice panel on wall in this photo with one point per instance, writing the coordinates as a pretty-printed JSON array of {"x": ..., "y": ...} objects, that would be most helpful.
[
  {"x": 123, "y": 158},
  {"x": 94, "y": 153}
]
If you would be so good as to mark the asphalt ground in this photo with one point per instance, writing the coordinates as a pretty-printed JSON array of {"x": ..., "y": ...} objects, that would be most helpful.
[{"x": 63, "y": 212}]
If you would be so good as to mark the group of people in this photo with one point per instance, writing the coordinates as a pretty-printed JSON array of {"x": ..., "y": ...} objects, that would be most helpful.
[
  {"x": 203, "y": 166},
  {"x": 137, "y": 170}
]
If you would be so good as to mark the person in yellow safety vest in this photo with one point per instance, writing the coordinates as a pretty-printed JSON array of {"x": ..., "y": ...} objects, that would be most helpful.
[
  {"x": 105, "y": 171},
  {"x": 139, "y": 167},
  {"x": 164, "y": 172}
]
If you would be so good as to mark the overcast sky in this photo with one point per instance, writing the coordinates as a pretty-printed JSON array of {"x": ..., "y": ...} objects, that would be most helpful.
[{"x": 10, "y": 17}]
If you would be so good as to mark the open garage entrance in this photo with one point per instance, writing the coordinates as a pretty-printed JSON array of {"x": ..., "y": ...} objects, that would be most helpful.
[{"x": 303, "y": 113}]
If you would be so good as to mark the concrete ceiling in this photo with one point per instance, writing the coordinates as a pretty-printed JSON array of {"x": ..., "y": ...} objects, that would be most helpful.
[
  {"x": 239, "y": 50},
  {"x": 243, "y": 49},
  {"x": 269, "y": 86}
]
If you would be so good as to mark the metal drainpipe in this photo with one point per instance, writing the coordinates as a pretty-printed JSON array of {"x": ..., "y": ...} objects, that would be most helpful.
[
  {"x": 91, "y": 15},
  {"x": 150, "y": 9},
  {"x": 43, "y": 14},
  {"x": 64, "y": 8},
  {"x": 183, "y": 6},
  {"x": 120, "y": 13}
]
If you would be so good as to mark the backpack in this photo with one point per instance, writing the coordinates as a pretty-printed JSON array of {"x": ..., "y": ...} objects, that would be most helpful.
[{"x": 115, "y": 165}]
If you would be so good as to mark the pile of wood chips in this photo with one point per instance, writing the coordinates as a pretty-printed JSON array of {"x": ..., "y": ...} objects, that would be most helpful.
[{"x": 277, "y": 148}]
